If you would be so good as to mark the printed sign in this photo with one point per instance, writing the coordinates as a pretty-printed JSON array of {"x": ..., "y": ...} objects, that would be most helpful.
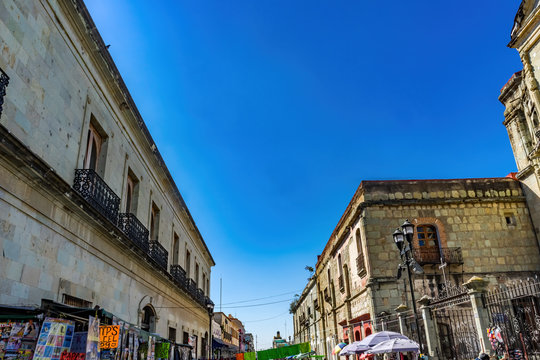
[
  {"x": 72, "y": 356},
  {"x": 108, "y": 336}
]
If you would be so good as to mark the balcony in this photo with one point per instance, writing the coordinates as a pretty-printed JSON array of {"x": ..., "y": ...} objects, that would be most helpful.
[
  {"x": 4, "y": 81},
  {"x": 179, "y": 275},
  {"x": 192, "y": 287},
  {"x": 341, "y": 283},
  {"x": 97, "y": 193},
  {"x": 361, "y": 265},
  {"x": 434, "y": 255},
  {"x": 199, "y": 296},
  {"x": 159, "y": 254},
  {"x": 134, "y": 230}
]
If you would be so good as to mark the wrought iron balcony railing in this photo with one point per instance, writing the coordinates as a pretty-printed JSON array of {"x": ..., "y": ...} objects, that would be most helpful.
[
  {"x": 199, "y": 295},
  {"x": 360, "y": 265},
  {"x": 434, "y": 255},
  {"x": 159, "y": 254},
  {"x": 134, "y": 230},
  {"x": 341, "y": 283},
  {"x": 94, "y": 190},
  {"x": 179, "y": 276},
  {"x": 192, "y": 287},
  {"x": 4, "y": 81}
]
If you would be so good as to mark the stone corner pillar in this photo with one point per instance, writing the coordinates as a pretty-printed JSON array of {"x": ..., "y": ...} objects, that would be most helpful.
[
  {"x": 477, "y": 287},
  {"x": 429, "y": 327},
  {"x": 401, "y": 309}
]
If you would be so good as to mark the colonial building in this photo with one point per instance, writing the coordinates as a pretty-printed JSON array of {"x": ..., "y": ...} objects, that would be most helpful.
[
  {"x": 475, "y": 227},
  {"x": 228, "y": 346},
  {"x": 306, "y": 317},
  {"x": 521, "y": 97},
  {"x": 89, "y": 213}
]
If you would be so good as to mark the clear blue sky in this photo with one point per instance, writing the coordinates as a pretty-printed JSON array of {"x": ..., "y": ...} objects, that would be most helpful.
[{"x": 270, "y": 113}]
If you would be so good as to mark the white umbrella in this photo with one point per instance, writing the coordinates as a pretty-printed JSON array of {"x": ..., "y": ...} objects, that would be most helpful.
[
  {"x": 368, "y": 342},
  {"x": 394, "y": 345}
]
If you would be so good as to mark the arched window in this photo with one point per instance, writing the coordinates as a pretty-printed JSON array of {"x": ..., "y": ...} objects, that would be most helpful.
[
  {"x": 427, "y": 236},
  {"x": 148, "y": 322},
  {"x": 357, "y": 336}
]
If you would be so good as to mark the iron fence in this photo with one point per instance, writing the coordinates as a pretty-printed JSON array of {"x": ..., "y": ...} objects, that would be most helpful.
[
  {"x": 515, "y": 319},
  {"x": 455, "y": 324}
]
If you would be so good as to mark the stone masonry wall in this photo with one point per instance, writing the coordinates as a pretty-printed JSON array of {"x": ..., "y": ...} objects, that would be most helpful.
[{"x": 55, "y": 88}]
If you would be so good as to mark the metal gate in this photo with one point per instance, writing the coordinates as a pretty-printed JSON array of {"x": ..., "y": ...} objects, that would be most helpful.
[
  {"x": 455, "y": 325},
  {"x": 515, "y": 319}
]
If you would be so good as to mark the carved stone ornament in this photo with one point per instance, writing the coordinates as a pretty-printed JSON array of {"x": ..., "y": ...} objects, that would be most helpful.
[
  {"x": 401, "y": 308},
  {"x": 476, "y": 284},
  {"x": 424, "y": 300}
]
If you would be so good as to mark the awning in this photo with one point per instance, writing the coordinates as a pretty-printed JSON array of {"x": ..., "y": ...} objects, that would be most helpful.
[{"x": 218, "y": 343}]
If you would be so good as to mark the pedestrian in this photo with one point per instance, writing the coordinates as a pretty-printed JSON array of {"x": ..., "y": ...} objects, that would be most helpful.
[{"x": 482, "y": 356}]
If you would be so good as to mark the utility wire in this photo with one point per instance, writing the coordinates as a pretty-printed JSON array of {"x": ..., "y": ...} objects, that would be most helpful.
[
  {"x": 267, "y": 297},
  {"x": 270, "y": 318}
]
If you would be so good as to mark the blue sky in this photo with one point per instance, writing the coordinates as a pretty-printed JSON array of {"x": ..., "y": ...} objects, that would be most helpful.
[{"x": 270, "y": 113}]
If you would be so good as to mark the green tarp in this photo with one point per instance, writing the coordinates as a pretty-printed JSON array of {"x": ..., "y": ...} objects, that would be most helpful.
[
  {"x": 284, "y": 351},
  {"x": 249, "y": 356}
]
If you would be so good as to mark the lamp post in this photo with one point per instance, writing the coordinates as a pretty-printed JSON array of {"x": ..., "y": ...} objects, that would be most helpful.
[
  {"x": 210, "y": 307},
  {"x": 407, "y": 231}
]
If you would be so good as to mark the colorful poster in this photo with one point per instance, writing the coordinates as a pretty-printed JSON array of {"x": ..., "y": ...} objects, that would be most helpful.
[
  {"x": 92, "y": 341},
  {"x": 151, "y": 348},
  {"x": 78, "y": 344},
  {"x": 54, "y": 339}
]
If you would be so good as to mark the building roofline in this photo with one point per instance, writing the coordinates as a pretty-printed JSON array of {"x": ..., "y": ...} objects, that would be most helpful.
[
  {"x": 80, "y": 8},
  {"x": 361, "y": 189}
]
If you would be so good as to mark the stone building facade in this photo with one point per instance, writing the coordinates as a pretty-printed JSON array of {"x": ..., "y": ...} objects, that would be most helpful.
[
  {"x": 307, "y": 319},
  {"x": 89, "y": 213},
  {"x": 478, "y": 227},
  {"x": 521, "y": 98}
]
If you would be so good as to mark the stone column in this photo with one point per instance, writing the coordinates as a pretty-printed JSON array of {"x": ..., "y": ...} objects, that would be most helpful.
[
  {"x": 477, "y": 286},
  {"x": 401, "y": 309},
  {"x": 429, "y": 326}
]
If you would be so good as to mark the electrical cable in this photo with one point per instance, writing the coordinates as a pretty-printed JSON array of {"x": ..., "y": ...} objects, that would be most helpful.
[{"x": 267, "y": 297}]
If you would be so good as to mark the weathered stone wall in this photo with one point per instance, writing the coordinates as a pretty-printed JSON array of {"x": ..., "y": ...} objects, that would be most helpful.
[
  {"x": 57, "y": 84},
  {"x": 60, "y": 79},
  {"x": 50, "y": 250},
  {"x": 471, "y": 214}
]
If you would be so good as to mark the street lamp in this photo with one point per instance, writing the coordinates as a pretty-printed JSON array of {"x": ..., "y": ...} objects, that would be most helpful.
[
  {"x": 406, "y": 232},
  {"x": 210, "y": 307}
]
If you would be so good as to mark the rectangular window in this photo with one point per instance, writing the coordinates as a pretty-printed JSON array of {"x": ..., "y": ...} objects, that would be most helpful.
[
  {"x": 175, "y": 249},
  {"x": 510, "y": 219},
  {"x": 154, "y": 222},
  {"x": 93, "y": 148},
  {"x": 188, "y": 263},
  {"x": 132, "y": 190},
  {"x": 75, "y": 301},
  {"x": 208, "y": 287},
  {"x": 96, "y": 148},
  {"x": 203, "y": 285},
  {"x": 172, "y": 334},
  {"x": 185, "y": 338},
  {"x": 197, "y": 274}
]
